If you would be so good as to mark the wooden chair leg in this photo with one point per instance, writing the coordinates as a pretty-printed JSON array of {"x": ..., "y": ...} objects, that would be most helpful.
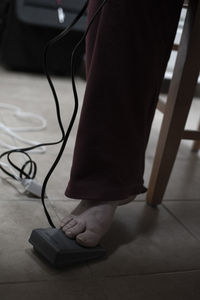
[
  {"x": 180, "y": 96},
  {"x": 196, "y": 144}
]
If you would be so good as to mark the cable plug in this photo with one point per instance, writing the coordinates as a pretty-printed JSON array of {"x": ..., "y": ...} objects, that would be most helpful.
[{"x": 32, "y": 187}]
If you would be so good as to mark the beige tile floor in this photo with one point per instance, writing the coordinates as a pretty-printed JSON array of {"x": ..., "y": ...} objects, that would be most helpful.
[{"x": 151, "y": 253}]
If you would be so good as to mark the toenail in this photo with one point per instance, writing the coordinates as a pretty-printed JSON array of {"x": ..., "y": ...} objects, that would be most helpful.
[
  {"x": 68, "y": 232},
  {"x": 82, "y": 239}
]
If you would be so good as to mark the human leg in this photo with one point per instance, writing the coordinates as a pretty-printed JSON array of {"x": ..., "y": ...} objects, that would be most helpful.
[{"x": 127, "y": 53}]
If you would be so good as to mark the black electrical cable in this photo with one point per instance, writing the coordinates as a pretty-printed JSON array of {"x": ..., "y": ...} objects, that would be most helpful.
[
  {"x": 65, "y": 136},
  {"x": 23, "y": 150},
  {"x": 73, "y": 116}
]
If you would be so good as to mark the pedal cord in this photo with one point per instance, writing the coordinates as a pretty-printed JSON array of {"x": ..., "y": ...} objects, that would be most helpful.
[{"x": 32, "y": 165}]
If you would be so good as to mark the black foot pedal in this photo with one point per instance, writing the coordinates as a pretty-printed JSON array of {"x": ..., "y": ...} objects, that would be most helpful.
[{"x": 59, "y": 250}]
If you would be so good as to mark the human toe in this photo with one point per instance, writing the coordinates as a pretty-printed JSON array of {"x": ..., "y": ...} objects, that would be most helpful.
[
  {"x": 66, "y": 220},
  {"x": 88, "y": 239},
  {"x": 75, "y": 230},
  {"x": 69, "y": 225}
]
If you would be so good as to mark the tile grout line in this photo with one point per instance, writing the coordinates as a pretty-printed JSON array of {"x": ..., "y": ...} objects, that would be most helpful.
[
  {"x": 108, "y": 276},
  {"x": 181, "y": 223},
  {"x": 153, "y": 274},
  {"x": 64, "y": 200}
]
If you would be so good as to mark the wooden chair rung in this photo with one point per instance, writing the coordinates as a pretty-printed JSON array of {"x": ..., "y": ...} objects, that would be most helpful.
[
  {"x": 175, "y": 47},
  {"x": 191, "y": 135},
  {"x": 196, "y": 144}
]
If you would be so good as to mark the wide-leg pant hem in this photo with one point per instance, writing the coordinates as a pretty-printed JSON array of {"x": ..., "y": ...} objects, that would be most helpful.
[
  {"x": 78, "y": 191},
  {"x": 127, "y": 50}
]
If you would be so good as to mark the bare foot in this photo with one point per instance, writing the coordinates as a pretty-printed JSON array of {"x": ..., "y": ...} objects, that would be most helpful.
[{"x": 90, "y": 220}]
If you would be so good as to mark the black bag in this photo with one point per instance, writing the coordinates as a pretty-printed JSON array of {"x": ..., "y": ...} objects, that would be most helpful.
[{"x": 31, "y": 24}]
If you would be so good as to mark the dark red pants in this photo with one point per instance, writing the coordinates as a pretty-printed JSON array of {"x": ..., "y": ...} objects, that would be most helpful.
[{"x": 127, "y": 50}]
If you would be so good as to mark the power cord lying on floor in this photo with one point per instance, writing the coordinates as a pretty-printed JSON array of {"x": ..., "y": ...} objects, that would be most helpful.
[
  {"x": 30, "y": 186},
  {"x": 11, "y": 131},
  {"x": 52, "y": 243},
  {"x": 29, "y": 175}
]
